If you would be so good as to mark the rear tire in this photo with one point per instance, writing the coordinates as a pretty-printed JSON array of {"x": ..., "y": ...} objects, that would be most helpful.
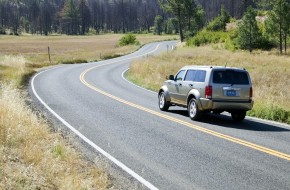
[
  {"x": 163, "y": 104},
  {"x": 238, "y": 115},
  {"x": 193, "y": 111}
]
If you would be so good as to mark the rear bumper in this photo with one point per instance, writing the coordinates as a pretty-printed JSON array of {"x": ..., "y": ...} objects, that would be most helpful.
[{"x": 208, "y": 104}]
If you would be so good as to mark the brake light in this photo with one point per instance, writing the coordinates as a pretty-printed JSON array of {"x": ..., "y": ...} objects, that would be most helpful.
[
  {"x": 208, "y": 92},
  {"x": 251, "y": 92}
]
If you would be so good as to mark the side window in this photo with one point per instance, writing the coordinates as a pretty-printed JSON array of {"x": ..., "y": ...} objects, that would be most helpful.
[
  {"x": 180, "y": 75},
  {"x": 190, "y": 75},
  {"x": 195, "y": 75},
  {"x": 200, "y": 76}
]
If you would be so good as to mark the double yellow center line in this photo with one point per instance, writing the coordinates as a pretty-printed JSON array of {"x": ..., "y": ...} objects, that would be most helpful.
[{"x": 207, "y": 131}]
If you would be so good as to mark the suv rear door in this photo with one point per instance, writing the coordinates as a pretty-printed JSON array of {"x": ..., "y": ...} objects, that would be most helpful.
[{"x": 231, "y": 85}]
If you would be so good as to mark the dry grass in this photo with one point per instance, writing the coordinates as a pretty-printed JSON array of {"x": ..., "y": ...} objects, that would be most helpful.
[
  {"x": 270, "y": 73},
  {"x": 20, "y": 55},
  {"x": 66, "y": 48},
  {"x": 32, "y": 157}
]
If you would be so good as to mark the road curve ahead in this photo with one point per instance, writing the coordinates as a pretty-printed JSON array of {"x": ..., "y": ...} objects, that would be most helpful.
[{"x": 162, "y": 150}]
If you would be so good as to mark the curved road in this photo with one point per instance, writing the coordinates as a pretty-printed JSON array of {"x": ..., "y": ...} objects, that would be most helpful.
[{"x": 163, "y": 150}]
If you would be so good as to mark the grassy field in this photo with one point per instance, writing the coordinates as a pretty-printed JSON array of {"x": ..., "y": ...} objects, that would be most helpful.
[
  {"x": 270, "y": 75},
  {"x": 31, "y": 52},
  {"x": 32, "y": 155},
  {"x": 68, "y": 48}
]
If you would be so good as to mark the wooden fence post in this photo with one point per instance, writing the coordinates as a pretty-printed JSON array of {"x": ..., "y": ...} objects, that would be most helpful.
[{"x": 48, "y": 50}]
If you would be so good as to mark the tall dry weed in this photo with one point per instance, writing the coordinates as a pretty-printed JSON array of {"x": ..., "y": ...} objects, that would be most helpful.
[
  {"x": 17, "y": 61},
  {"x": 14, "y": 70},
  {"x": 29, "y": 157}
]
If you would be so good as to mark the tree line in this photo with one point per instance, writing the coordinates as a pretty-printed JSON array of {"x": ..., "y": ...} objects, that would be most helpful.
[{"x": 77, "y": 17}]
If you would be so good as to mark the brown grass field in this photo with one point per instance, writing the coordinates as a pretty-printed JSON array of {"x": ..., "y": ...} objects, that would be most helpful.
[
  {"x": 32, "y": 156},
  {"x": 66, "y": 48},
  {"x": 270, "y": 74}
]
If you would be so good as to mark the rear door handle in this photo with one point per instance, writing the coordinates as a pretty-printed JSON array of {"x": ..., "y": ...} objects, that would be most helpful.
[
  {"x": 191, "y": 85},
  {"x": 180, "y": 84}
]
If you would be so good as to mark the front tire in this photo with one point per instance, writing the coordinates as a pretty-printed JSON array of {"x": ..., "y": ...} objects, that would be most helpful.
[
  {"x": 238, "y": 116},
  {"x": 193, "y": 111},
  {"x": 163, "y": 104}
]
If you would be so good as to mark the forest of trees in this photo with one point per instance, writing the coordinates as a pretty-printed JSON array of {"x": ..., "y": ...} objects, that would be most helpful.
[
  {"x": 184, "y": 17},
  {"x": 75, "y": 17}
]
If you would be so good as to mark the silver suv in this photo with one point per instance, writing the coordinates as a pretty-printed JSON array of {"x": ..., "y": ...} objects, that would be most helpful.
[{"x": 203, "y": 89}]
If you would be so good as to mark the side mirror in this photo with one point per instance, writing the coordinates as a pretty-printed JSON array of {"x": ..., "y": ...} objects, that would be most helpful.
[{"x": 171, "y": 77}]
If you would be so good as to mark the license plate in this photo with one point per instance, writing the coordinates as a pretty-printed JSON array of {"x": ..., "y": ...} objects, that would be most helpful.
[{"x": 232, "y": 93}]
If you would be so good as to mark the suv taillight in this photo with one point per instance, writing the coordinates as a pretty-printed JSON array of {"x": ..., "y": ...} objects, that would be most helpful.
[
  {"x": 208, "y": 92},
  {"x": 251, "y": 92}
]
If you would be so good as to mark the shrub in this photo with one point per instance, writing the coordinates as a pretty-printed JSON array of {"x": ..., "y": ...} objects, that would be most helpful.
[
  {"x": 216, "y": 24},
  {"x": 128, "y": 39},
  {"x": 208, "y": 37}
]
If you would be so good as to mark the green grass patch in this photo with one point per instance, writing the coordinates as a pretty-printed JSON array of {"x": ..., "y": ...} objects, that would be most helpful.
[
  {"x": 270, "y": 112},
  {"x": 58, "y": 151}
]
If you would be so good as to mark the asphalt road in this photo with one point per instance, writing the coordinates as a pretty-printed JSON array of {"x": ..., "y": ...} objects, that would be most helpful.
[{"x": 163, "y": 150}]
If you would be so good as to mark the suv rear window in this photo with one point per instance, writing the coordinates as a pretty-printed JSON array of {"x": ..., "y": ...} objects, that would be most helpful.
[{"x": 230, "y": 77}]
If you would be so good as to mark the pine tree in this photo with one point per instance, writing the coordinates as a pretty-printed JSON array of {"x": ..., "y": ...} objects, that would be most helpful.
[
  {"x": 191, "y": 9},
  {"x": 46, "y": 17},
  {"x": 70, "y": 17},
  {"x": 278, "y": 24},
  {"x": 183, "y": 10},
  {"x": 248, "y": 32},
  {"x": 84, "y": 12},
  {"x": 158, "y": 25},
  {"x": 171, "y": 26}
]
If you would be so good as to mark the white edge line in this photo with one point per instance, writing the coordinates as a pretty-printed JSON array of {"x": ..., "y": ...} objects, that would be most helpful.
[
  {"x": 88, "y": 141},
  {"x": 123, "y": 76}
]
